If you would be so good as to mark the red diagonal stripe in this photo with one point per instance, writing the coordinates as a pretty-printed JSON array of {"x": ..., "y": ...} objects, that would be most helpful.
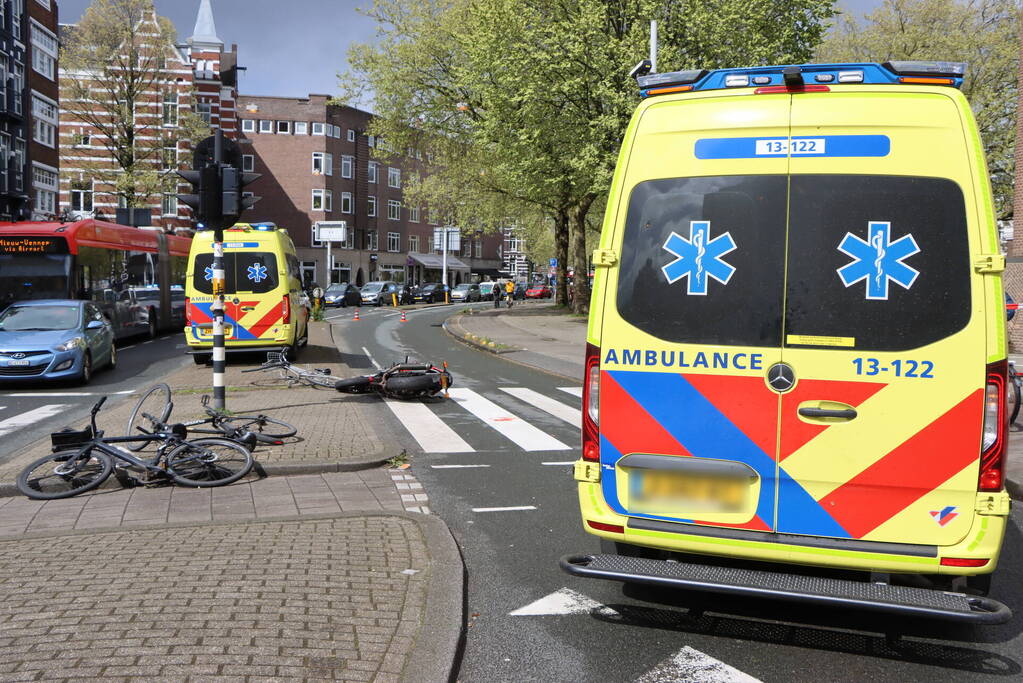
[
  {"x": 915, "y": 468},
  {"x": 794, "y": 432},
  {"x": 198, "y": 315},
  {"x": 629, "y": 427},
  {"x": 746, "y": 402},
  {"x": 266, "y": 321}
]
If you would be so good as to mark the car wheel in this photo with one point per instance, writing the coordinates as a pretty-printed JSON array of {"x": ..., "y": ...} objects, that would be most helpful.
[
  {"x": 201, "y": 358},
  {"x": 113, "y": 356},
  {"x": 86, "y": 368}
]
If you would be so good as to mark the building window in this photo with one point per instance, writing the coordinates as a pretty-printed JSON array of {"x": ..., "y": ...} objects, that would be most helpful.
[
  {"x": 248, "y": 162},
  {"x": 81, "y": 200},
  {"x": 335, "y": 132},
  {"x": 284, "y": 127},
  {"x": 372, "y": 141},
  {"x": 266, "y": 126},
  {"x": 84, "y": 138},
  {"x": 393, "y": 210},
  {"x": 371, "y": 175},
  {"x": 44, "y": 3},
  {"x": 170, "y": 109},
  {"x": 351, "y": 135},
  {"x": 322, "y": 200},
  {"x": 413, "y": 244},
  {"x": 248, "y": 126},
  {"x": 372, "y": 206},
  {"x": 371, "y": 240},
  {"x": 479, "y": 248},
  {"x": 393, "y": 176},
  {"x": 323, "y": 163},
  {"x": 170, "y": 155},
  {"x": 45, "y": 113},
  {"x": 19, "y": 164},
  {"x": 44, "y": 51},
  {"x": 346, "y": 202},
  {"x": 466, "y": 248},
  {"x": 170, "y": 205},
  {"x": 301, "y": 128},
  {"x": 413, "y": 214},
  {"x": 394, "y": 241},
  {"x": 318, "y": 128},
  {"x": 205, "y": 112},
  {"x": 45, "y": 183},
  {"x": 19, "y": 85},
  {"x": 346, "y": 166}
]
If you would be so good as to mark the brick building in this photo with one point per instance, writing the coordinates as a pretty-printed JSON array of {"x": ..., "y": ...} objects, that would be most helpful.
[
  {"x": 28, "y": 109},
  {"x": 198, "y": 76},
  {"x": 318, "y": 165}
]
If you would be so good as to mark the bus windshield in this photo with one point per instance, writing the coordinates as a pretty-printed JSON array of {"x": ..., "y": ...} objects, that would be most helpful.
[{"x": 33, "y": 276}]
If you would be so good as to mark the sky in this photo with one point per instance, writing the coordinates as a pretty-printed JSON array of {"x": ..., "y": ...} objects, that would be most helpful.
[{"x": 292, "y": 48}]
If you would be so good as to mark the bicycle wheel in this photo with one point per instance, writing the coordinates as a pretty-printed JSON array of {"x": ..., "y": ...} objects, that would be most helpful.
[
  {"x": 259, "y": 425},
  {"x": 64, "y": 474},
  {"x": 208, "y": 462},
  {"x": 353, "y": 385},
  {"x": 1014, "y": 397},
  {"x": 156, "y": 402}
]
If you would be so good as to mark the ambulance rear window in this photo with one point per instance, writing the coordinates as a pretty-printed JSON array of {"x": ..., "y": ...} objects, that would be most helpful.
[
  {"x": 703, "y": 259},
  {"x": 248, "y": 271},
  {"x": 881, "y": 262}
]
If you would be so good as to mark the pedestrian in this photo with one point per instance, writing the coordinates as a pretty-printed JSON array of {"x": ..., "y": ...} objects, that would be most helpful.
[
  {"x": 498, "y": 293},
  {"x": 509, "y": 288}
]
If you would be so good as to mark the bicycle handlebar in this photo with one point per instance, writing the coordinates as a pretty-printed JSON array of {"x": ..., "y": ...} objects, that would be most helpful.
[{"x": 99, "y": 404}]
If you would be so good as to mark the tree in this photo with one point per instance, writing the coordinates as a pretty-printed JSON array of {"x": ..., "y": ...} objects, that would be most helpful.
[
  {"x": 982, "y": 33},
  {"x": 525, "y": 102},
  {"x": 112, "y": 63}
]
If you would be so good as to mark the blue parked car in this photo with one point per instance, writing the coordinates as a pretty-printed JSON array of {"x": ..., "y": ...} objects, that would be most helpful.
[{"x": 54, "y": 339}]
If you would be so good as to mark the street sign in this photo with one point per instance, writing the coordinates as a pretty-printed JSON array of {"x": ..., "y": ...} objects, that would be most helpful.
[
  {"x": 554, "y": 263},
  {"x": 453, "y": 238},
  {"x": 331, "y": 231}
]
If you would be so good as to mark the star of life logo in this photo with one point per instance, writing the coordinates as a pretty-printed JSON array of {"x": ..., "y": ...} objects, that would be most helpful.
[
  {"x": 209, "y": 273},
  {"x": 257, "y": 272},
  {"x": 878, "y": 260},
  {"x": 944, "y": 515},
  {"x": 698, "y": 258}
]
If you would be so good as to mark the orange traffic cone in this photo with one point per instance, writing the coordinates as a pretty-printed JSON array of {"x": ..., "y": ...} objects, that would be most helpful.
[
  {"x": 403, "y": 318},
  {"x": 356, "y": 314}
]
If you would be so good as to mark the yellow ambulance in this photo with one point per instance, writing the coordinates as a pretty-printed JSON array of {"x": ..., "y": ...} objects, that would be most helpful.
[
  {"x": 264, "y": 308},
  {"x": 796, "y": 347}
]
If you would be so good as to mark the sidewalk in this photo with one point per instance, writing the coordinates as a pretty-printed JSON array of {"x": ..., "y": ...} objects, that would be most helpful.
[
  {"x": 553, "y": 341},
  {"x": 337, "y": 574}
]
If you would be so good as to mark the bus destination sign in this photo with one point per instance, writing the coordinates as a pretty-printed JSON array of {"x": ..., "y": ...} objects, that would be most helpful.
[{"x": 32, "y": 245}]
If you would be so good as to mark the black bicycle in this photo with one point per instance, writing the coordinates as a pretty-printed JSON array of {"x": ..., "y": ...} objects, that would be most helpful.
[
  {"x": 83, "y": 459},
  {"x": 246, "y": 429}
]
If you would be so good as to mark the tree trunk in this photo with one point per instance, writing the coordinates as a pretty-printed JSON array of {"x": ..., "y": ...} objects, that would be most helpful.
[
  {"x": 561, "y": 253},
  {"x": 579, "y": 255}
]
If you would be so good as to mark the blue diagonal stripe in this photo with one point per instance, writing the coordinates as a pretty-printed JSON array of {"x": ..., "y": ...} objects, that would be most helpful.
[{"x": 239, "y": 331}]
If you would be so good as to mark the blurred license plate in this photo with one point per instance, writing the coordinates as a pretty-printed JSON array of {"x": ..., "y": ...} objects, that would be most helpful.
[
  {"x": 671, "y": 490},
  {"x": 20, "y": 363},
  {"x": 207, "y": 331}
]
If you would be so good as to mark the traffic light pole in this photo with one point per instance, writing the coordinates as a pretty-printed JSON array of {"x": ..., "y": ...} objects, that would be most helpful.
[{"x": 219, "y": 283}]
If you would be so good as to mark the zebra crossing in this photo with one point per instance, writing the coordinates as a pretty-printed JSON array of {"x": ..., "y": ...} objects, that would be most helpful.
[
  {"x": 428, "y": 423},
  {"x": 29, "y": 417}
]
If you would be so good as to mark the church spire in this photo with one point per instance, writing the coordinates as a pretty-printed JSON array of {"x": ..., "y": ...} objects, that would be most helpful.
[{"x": 205, "y": 30}]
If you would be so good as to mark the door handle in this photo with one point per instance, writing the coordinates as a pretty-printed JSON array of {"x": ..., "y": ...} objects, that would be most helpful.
[
  {"x": 845, "y": 413},
  {"x": 248, "y": 308}
]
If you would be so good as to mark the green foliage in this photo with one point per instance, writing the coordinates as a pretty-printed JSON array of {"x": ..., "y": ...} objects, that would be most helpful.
[{"x": 982, "y": 33}]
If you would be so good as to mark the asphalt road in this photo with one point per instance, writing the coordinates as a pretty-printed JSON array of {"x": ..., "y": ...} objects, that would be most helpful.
[
  {"x": 514, "y": 513},
  {"x": 30, "y": 410}
]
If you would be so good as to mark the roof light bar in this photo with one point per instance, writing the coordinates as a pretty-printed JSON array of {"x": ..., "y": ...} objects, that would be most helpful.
[
  {"x": 921, "y": 68},
  {"x": 670, "y": 78}
]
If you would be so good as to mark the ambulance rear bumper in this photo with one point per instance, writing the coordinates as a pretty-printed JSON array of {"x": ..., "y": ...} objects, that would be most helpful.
[
  {"x": 808, "y": 590},
  {"x": 206, "y": 349}
]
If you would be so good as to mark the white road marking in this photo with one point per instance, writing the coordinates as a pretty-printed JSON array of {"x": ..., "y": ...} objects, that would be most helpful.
[
  {"x": 148, "y": 341},
  {"x": 689, "y": 664},
  {"x": 455, "y": 467},
  {"x": 165, "y": 338},
  {"x": 562, "y": 602},
  {"x": 370, "y": 356},
  {"x": 525, "y": 435},
  {"x": 572, "y": 416},
  {"x": 505, "y": 509},
  {"x": 566, "y": 462},
  {"x": 429, "y": 430},
  {"x": 125, "y": 348},
  {"x": 15, "y": 423},
  {"x": 67, "y": 394},
  {"x": 575, "y": 391}
]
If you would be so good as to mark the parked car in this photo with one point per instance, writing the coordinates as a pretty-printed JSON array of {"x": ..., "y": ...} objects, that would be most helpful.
[
  {"x": 538, "y": 292},
  {"x": 341, "y": 295},
  {"x": 487, "y": 291},
  {"x": 54, "y": 339},
  {"x": 378, "y": 293},
  {"x": 430, "y": 293},
  {"x": 466, "y": 292}
]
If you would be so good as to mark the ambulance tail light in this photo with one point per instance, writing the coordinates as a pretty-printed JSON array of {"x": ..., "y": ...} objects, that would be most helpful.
[
  {"x": 591, "y": 404},
  {"x": 964, "y": 561},
  {"x": 996, "y": 428},
  {"x": 285, "y": 309},
  {"x": 188, "y": 312}
]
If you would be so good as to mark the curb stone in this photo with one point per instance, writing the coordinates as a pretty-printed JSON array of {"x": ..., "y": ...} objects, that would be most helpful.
[{"x": 465, "y": 339}]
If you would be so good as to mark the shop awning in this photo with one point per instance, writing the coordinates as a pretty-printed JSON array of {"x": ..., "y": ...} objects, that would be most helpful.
[{"x": 436, "y": 261}]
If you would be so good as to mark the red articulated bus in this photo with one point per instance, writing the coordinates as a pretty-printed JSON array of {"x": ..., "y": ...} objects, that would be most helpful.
[{"x": 135, "y": 275}]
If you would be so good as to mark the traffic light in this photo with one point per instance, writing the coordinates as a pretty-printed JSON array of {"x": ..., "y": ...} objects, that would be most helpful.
[
  {"x": 232, "y": 202},
  {"x": 207, "y": 201}
]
